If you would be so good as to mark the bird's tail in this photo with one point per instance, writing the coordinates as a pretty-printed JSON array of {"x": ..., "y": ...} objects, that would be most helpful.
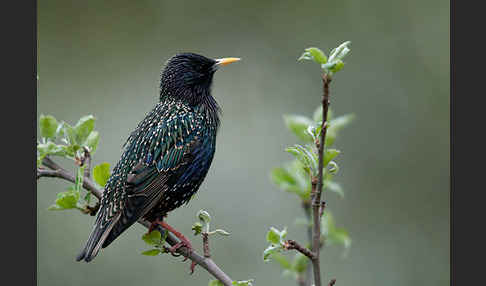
[{"x": 96, "y": 239}]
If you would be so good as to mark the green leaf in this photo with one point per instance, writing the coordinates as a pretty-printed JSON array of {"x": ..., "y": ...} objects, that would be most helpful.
[
  {"x": 243, "y": 283},
  {"x": 197, "y": 228},
  {"x": 333, "y": 234},
  {"x": 338, "y": 65},
  {"x": 204, "y": 216},
  {"x": 215, "y": 283},
  {"x": 333, "y": 66},
  {"x": 333, "y": 167},
  {"x": 55, "y": 207},
  {"x": 70, "y": 134},
  {"x": 49, "y": 148},
  {"x": 271, "y": 250},
  {"x": 340, "y": 52},
  {"x": 339, "y": 236},
  {"x": 60, "y": 130},
  {"x": 152, "y": 252},
  {"x": 152, "y": 238},
  {"x": 101, "y": 173},
  {"x": 65, "y": 200},
  {"x": 282, "y": 260},
  {"x": 300, "y": 175},
  {"x": 306, "y": 156},
  {"x": 285, "y": 181},
  {"x": 299, "y": 264},
  {"x": 298, "y": 125},
  {"x": 329, "y": 155},
  {"x": 334, "y": 187},
  {"x": 314, "y": 54},
  {"x": 335, "y": 125},
  {"x": 48, "y": 126},
  {"x": 327, "y": 222},
  {"x": 221, "y": 232},
  {"x": 92, "y": 141},
  {"x": 83, "y": 128},
  {"x": 273, "y": 236},
  {"x": 317, "y": 116}
]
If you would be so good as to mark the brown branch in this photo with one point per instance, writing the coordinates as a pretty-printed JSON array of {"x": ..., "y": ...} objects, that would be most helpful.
[
  {"x": 321, "y": 211},
  {"x": 292, "y": 244},
  {"x": 206, "y": 244},
  {"x": 205, "y": 262},
  {"x": 316, "y": 201},
  {"x": 305, "y": 279},
  {"x": 86, "y": 162}
]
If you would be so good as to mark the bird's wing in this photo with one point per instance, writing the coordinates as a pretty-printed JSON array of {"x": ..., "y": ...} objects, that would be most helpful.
[{"x": 166, "y": 152}]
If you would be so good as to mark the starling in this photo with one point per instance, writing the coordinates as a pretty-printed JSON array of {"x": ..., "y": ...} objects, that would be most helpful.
[{"x": 167, "y": 156}]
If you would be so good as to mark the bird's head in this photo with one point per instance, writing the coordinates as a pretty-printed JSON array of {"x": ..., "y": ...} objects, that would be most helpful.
[{"x": 189, "y": 76}]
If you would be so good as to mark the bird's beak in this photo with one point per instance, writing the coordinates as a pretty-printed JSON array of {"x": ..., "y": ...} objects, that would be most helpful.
[{"x": 226, "y": 61}]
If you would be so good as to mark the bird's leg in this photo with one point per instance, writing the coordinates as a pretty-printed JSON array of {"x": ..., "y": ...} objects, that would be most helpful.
[{"x": 183, "y": 243}]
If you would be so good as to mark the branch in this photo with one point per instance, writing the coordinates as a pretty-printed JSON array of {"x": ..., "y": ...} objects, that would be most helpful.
[
  {"x": 316, "y": 202},
  {"x": 207, "y": 263},
  {"x": 301, "y": 279},
  {"x": 86, "y": 161},
  {"x": 292, "y": 244},
  {"x": 206, "y": 245}
]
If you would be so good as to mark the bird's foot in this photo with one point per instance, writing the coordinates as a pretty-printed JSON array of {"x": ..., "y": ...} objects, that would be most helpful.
[{"x": 184, "y": 242}]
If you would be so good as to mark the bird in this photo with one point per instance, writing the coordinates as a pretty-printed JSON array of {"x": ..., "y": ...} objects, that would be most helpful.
[{"x": 166, "y": 158}]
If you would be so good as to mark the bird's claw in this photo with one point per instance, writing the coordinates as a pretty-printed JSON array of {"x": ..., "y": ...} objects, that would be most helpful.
[{"x": 173, "y": 251}]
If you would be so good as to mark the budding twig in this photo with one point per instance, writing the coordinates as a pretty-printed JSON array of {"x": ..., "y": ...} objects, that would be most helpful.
[
  {"x": 316, "y": 201},
  {"x": 292, "y": 244},
  {"x": 205, "y": 236}
]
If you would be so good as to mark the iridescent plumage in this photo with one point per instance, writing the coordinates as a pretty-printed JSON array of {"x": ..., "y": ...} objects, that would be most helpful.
[{"x": 167, "y": 156}]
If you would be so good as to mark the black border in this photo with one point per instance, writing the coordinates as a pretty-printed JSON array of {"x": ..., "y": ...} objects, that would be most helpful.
[
  {"x": 18, "y": 20},
  {"x": 467, "y": 143}
]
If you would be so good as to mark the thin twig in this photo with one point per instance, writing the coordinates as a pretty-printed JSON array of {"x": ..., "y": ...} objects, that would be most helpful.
[
  {"x": 292, "y": 244},
  {"x": 307, "y": 280},
  {"x": 87, "y": 162},
  {"x": 323, "y": 206},
  {"x": 205, "y": 262},
  {"x": 316, "y": 201},
  {"x": 206, "y": 244}
]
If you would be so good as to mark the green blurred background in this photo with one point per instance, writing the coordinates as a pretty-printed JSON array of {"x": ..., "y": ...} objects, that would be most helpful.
[{"x": 104, "y": 57}]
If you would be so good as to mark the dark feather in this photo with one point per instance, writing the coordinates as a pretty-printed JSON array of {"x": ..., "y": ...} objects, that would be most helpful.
[{"x": 167, "y": 156}]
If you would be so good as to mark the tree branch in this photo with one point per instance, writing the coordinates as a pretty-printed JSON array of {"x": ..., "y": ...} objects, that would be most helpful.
[
  {"x": 306, "y": 281},
  {"x": 207, "y": 263},
  {"x": 206, "y": 244},
  {"x": 292, "y": 244},
  {"x": 316, "y": 202}
]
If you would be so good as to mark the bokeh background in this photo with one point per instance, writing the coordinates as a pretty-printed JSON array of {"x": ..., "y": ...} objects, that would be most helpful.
[{"x": 104, "y": 57}]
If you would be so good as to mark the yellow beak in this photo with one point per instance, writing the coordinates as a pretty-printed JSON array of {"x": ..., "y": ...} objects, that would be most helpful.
[{"x": 226, "y": 61}]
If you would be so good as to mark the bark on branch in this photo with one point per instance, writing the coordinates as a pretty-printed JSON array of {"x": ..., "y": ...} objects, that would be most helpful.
[
  {"x": 292, "y": 244},
  {"x": 316, "y": 201}
]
